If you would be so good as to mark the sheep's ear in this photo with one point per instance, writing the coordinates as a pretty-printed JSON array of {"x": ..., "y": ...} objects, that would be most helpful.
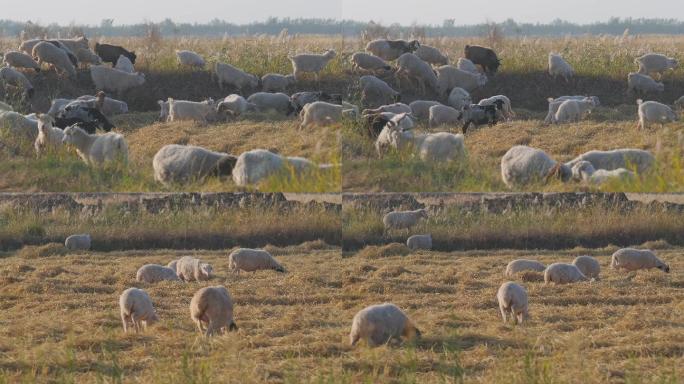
[{"x": 392, "y": 124}]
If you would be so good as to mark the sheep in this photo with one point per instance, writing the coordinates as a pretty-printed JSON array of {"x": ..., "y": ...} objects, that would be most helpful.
[
  {"x": 679, "y": 103},
  {"x": 250, "y": 260},
  {"x": 560, "y": 273},
  {"x": 375, "y": 92},
  {"x": 123, "y": 63},
  {"x": 202, "y": 112},
  {"x": 450, "y": 77},
  {"x": 212, "y": 307},
  {"x": 631, "y": 259},
  {"x": 136, "y": 307},
  {"x": 395, "y": 108},
  {"x": 75, "y": 44},
  {"x": 459, "y": 98},
  {"x": 368, "y": 62},
  {"x": 639, "y": 83},
  {"x": 189, "y": 268},
  {"x": 443, "y": 115},
  {"x": 273, "y": 82},
  {"x": 189, "y": 59},
  {"x": 164, "y": 110},
  {"x": 114, "y": 80},
  {"x": 521, "y": 265},
  {"x": 466, "y": 65},
  {"x": 627, "y": 158},
  {"x": 416, "y": 242},
  {"x": 278, "y": 102},
  {"x": 97, "y": 149},
  {"x": 256, "y": 165},
  {"x": 378, "y": 324},
  {"x": 85, "y": 114},
  {"x": 523, "y": 165},
  {"x": 110, "y": 53},
  {"x": 300, "y": 99},
  {"x": 45, "y": 52},
  {"x": 655, "y": 63},
  {"x": 4, "y": 107},
  {"x": 234, "y": 105},
  {"x": 584, "y": 171},
  {"x": 110, "y": 107},
  {"x": 18, "y": 59},
  {"x": 554, "y": 104},
  {"x": 376, "y": 122},
  {"x": 152, "y": 273},
  {"x": 480, "y": 114},
  {"x": 19, "y": 125},
  {"x": 506, "y": 111},
  {"x": 589, "y": 266},
  {"x": 573, "y": 110},
  {"x": 410, "y": 66},
  {"x": 49, "y": 137},
  {"x": 654, "y": 112},
  {"x": 559, "y": 67},
  {"x": 431, "y": 55},
  {"x": 512, "y": 298},
  {"x": 80, "y": 242},
  {"x": 15, "y": 78},
  {"x": 485, "y": 57},
  {"x": 227, "y": 74},
  {"x": 420, "y": 109},
  {"x": 181, "y": 164},
  {"x": 390, "y": 50},
  {"x": 321, "y": 113},
  {"x": 403, "y": 219},
  {"x": 172, "y": 264},
  {"x": 26, "y": 46},
  {"x": 86, "y": 56},
  {"x": 304, "y": 63}
]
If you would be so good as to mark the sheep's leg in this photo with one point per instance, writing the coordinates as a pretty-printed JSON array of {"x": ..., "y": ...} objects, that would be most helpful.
[
  {"x": 124, "y": 322},
  {"x": 210, "y": 329},
  {"x": 199, "y": 325},
  {"x": 503, "y": 313},
  {"x": 513, "y": 315}
]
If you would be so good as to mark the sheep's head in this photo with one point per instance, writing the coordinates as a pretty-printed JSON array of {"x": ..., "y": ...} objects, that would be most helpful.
[
  {"x": 662, "y": 266},
  {"x": 205, "y": 270},
  {"x": 330, "y": 54},
  {"x": 561, "y": 171},
  {"x": 73, "y": 134},
  {"x": 582, "y": 170},
  {"x": 152, "y": 318},
  {"x": 224, "y": 167},
  {"x": 401, "y": 122},
  {"x": 413, "y": 45},
  {"x": 45, "y": 122},
  {"x": 140, "y": 78},
  {"x": 164, "y": 106},
  {"x": 423, "y": 213}
]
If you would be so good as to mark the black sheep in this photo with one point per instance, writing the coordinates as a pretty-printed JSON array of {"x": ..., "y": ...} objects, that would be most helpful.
[{"x": 110, "y": 53}]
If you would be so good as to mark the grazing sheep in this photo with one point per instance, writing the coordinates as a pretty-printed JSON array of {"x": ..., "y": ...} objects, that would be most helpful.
[
  {"x": 522, "y": 265},
  {"x": 466, "y": 65},
  {"x": 485, "y": 57},
  {"x": 378, "y": 324},
  {"x": 181, "y": 164},
  {"x": 256, "y": 165},
  {"x": 376, "y": 122},
  {"x": 75, "y": 44},
  {"x": 308, "y": 62},
  {"x": 97, "y": 149},
  {"x": 420, "y": 109},
  {"x": 459, "y": 98},
  {"x": 234, "y": 105},
  {"x": 431, "y": 55},
  {"x": 86, "y": 56},
  {"x": 26, "y": 46},
  {"x": 114, "y": 80},
  {"x": 189, "y": 59},
  {"x": 450, "y": 77},
  {"x": 152, "y": 273},
  {"x": 395, "y": 108},
  {"x": 18, "y": 59},
  {"x": 584, "y": 171},
  {"x": 411, "y": 67},
  {"x": 110, "y": 107},
  {"x": 505, "y": 111},
  {"x": 627, "y": 158},
  {"x": 589, "y": 266},
  {"x": 559, "y": 67},
  {"x": 49, "y": 137},
  {"x": 321, "y": 113},
  {"x": 443, "y": 115},
  {"x": 250, "y": 260},
  {"x": 110, "y": 53},
  {"x": 203, "y": 111},
  {"x": 631, "y": 259},
  {"x": 300, "y": 99},
  {"x": 403, "y": 219},
  {"x": 279, "y": 102},
  {"x": 375, "y": 92},
  {"x": 172, "y": 264},
  {"x": 79, "y": 242},
  {"x": 480, "y": 114},
  {"x": 512, "y": 298},
  {"x": 213, "y": 307},
  {"x": 416, "y": 242},
  {"x": 523, "y": 165},
  {"x": 368, "y": 62},
  {"x": 189, "y": 268},
  {"x": 45, "y": 52},
  {"x": 85, "y": 114},
  {"x": 639, "y": 83},
  {"x": 123, "y": 63},
  {"x": 573, "y": 110},
  {"x": 654, "y": 112},
  {"x": 655, "y": 63},
  {"x": 235, "y": 77},
  {"x": 560, "y": 273},
  {"x": 390, "y": 50},
  {"x": 164, "y": 110},
  {"x": 273, "y": 82},
  {"x": 19, "y": 125},
  {"x": 15, "y": 78},
  {"x": 554, "y": 104},
  {"x": 136, "y": 307}
]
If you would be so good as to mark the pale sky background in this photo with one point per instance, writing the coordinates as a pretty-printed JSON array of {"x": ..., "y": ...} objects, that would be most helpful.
[{"x": 386, "y": 11}]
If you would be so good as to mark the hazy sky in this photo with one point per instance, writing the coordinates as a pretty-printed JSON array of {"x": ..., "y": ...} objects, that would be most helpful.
[{"x": 385, "y": 11}]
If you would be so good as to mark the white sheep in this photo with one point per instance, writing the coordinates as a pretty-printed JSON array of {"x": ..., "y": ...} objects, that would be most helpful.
[
  {"x": 234, "y": 105},
  {"x": 86, "y": 56},
  {"x": 522, "y": 265},
  {"x": 181, "y": 164},
  {"x": 97, "y": 149},
  {"x": 560, "y": 273},
  {"x": 320, "y": 113},
  {"x": 559, "y": 67},
  {"x": 627, "y": 158},
  {"x": 235, "y": 77},
  {"x": 638, "y": 83},
  {"x": 19, "y": 125},
  {"x": 203, "y": 111},
  {"x": 212, "y": 307},
  {"x": 164, "y": 110},
  {"x": 254, "y": 166},
  {"x": 466, "y": 65},
  {"x": 26, "y": 46},
  {"x": 273, "y": 82},
  {"x": 189, "y": 59},
  {"x": 411, "y": 67},
  {"x": 654, "y": 112},
  {"x": 375, "y": 92},
  {"x": 189, "y": 268},
  {"x": 80, "y": 242},
  {"x": 114, "y": 80},
  {"x": 378, "y": 324},
  {"x": 250, "y": 260},
  {"x": 279, "y": 102},
  {"x": 459, "y": 98},
  {"x": 136, "y": 307},
  {"x": 420, "y": 109},
  {"x": 443, "y": 115},
  {"x": 403, "y": 219},
  {"x": 74, "y": 44},
  {"x": 450, "y": 77},
  {"x": 18, "y": 59},
  {"x": 512, "y": 299},
  {"x": 506, "y": 111},
  {"x": 15, "y": 78},
  {"x": 554, "y": 104},
  {"x": 584, "y": 171},
  {"x": 368, "y": 62},
  {"x": 152, "y": 273},
  {"x": 655, "y": 63},
  {"x": 49, "y": 137},
  {"x": 588, "y": 265},
  {"x": 523, "y": 165},
  {"x": 172, "y": 265},
  {"x": 573, "y": 110},
  {"x": 45, "y": 52},
  {"x": 631, "y": 259},
  {"x": 431, "y": 55},
  {"x": 123, "y": 63},
  {"x": 391, "y": 49},
  {"x": 310, "y": 63},
  {"x": 395, "y": 108},
  {"x": 416, "y": 242},
  {"x": 4, "y": 107}
]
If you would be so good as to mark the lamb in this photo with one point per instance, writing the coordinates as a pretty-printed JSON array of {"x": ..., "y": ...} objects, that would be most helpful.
[
  {"x": 45, "y": 52},
  {"x": 250, "y": 260},
  {"x": 560, "y": 273},
  {"x": 278, "y": 102},
  {"x": 136, "y": 307},
  {"x": 420, "y": 109},
  {"x": 189, "y": 268},
  {"x": 485, "y": 57},
  {"x": 554, "y": 104},
  {"x": 655, "y": 63},
  {"x": 559, "y": 67},
  {"x": 79, "y": 242},
  {"x": 443, "y": 115},
  {"x": 235, "y": 77},
  {"x": 189, "y": 59},
  {"x": 411, "y": 66},
  {"x": 466, "y": 65},
  {"x": 431, "y": 55},
  {"x": 584, "y": 171},
  {"x": 451, "y": 77},
  {"x": 49, "y": 137},
  {"x": 522, "y": 265},
  {"x": 19, "y": 125},
  {"x": 203, "y": 111},
  {"x": 256, "y": 165},
  {"x": 480, "y": 114},
  {"x": 234, "y": 105},
  {"x": 273, "y": 82},
  {"x": 459, "y": 98},
  {"x": 589, "y": 266},
  {"x": 631, "y": 259},
  {"x": 376, "y": 122},
  {"x": 654, "y": 112},
  {"x": 416, "y": 242},
  {"x": 213, "y": 307},
  {"x": 15, "y": 78},
  {"x": 18, "y": 59},
  {"x": 403, "y": 219},
  {"x": 123, "y": 63},
  {"x": 97, "y": 149},
  {"x": 378, "y": 324},
  {"x": 375, "y": 92},
  {"x": 523, "y": 165},
  {"x": 368, "y": 62},
  {"x": 300, "y": 99},
  {"x": 110, "y": 53},
  {"x": 573, "y": 110},
  {"x": 181, "y": 164},
  {"x": 390, "y": 50},
  {"x": 114, "y": 80},
  {"x": 639, "y": 83},
  {"x": 86, "y": 56},
  {"x": 505, "y": 111},
  {"x": 627, "y": 158},
  {"x": 513, "y": 298},
  {"x": 304, "y": 63},
  {"x": 152, "y": 273},
  {"x": 321, "y": 113}
]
